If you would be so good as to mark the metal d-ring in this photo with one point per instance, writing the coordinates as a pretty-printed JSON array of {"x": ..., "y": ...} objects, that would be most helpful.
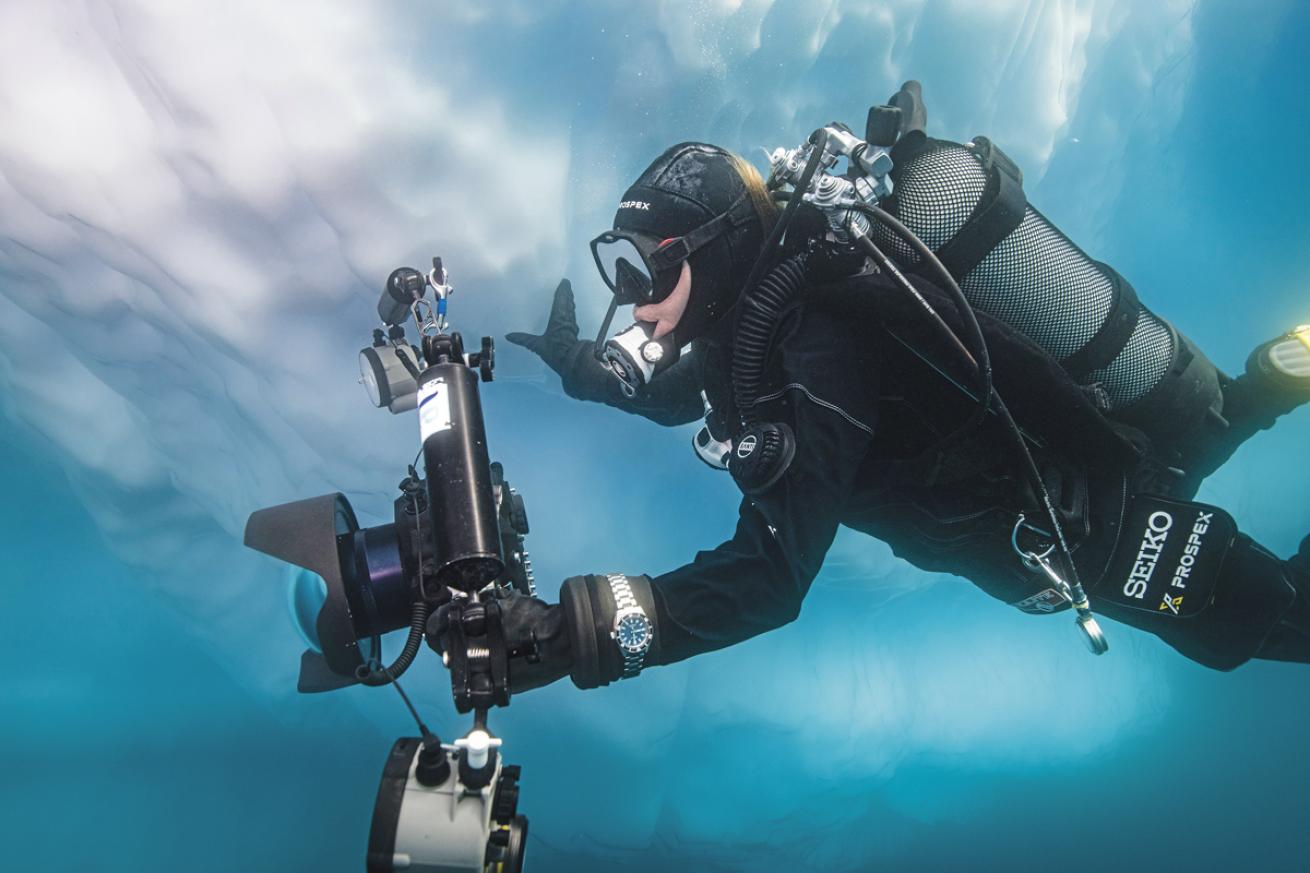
[{"x": 1032, "y": 560}]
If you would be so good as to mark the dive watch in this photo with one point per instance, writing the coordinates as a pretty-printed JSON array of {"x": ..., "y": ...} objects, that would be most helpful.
[{"x": 633, "y": 630}]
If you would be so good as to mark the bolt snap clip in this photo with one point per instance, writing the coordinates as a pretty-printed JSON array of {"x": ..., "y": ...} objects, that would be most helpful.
[{"x": 1040, "y": 561}]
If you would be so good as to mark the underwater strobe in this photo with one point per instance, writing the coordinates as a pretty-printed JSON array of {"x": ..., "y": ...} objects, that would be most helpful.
[{"x": 456, "y": 542}]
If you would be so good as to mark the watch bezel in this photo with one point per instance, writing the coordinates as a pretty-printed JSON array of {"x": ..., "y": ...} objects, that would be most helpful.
[{"x": 633, "y": 613}]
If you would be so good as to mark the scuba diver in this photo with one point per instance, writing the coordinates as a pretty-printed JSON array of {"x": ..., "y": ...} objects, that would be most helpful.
[{"x": 832, "y": 398}]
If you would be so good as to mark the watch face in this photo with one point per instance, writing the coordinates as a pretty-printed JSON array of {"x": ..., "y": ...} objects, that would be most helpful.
[{"x": 633, "y": 633}]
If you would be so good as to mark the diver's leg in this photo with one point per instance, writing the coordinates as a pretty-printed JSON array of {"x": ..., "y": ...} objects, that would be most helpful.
[
  {"x": 1276, "y": 381},
  {"x": 1290, "y": 638},
  {"x": 1260, "y": 608}
]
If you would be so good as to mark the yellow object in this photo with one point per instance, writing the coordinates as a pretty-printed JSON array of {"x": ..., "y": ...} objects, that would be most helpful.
[{"x": 1303, "y": 334}]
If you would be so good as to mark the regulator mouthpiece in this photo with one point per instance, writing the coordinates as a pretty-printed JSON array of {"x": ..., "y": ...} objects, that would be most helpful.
[{"x": 635, "y": 358}]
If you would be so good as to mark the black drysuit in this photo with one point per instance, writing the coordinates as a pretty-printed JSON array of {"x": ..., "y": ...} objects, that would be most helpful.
[{"x": 867, "y": 387}]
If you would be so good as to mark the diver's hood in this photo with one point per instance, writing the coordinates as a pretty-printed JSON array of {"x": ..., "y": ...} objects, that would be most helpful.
[{"x": 688, "y": 185}]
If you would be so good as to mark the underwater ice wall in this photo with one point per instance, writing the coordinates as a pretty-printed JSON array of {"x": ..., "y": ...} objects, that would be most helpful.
[{"x": 198, "y": 203}]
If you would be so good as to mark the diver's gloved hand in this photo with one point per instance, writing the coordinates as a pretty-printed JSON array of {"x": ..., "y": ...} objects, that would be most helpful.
[
  {"x": 557, "y": 344},
  {"x": 535, "y": 635},
  {"x": 582, "y": 375},
  {"x": 536, "y": 628}
]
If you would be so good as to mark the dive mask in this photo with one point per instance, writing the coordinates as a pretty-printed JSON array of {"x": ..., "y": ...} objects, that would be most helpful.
[
  {"x": 636, "y": 266},
  {"x": 639, "y": 268}
]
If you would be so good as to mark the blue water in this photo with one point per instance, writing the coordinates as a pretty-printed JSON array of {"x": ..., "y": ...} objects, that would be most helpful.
[{"x": 157, "y": 385}]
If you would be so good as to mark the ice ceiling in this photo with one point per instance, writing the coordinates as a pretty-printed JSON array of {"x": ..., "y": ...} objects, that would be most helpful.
[{"x": 199, "y": 202}]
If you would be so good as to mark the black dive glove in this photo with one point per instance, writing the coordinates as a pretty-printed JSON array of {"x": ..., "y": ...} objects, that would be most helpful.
[
  {"x": 584, "y": 377},
  {"x": 535, "y": 635},
  {"x": 672, "y": 399},
  {"x": 574, "y": 638}
]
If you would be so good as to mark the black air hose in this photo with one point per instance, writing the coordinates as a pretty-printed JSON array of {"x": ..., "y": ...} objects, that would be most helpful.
[
  {"x": 418, "y": 623},
  {"x": 762, "y": 300},
  {"x": 760, "y": 310},
  {"x": 981, "y": 361}
]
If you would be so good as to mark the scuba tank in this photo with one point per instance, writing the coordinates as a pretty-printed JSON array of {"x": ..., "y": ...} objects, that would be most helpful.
[
  {"x": 966, "y": 202},
  {"x": 958, "y": 214}
]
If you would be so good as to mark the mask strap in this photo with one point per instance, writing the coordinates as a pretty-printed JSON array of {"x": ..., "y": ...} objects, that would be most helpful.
[
  {"x": 599, "y": 350},
  {"x": 680, "y": 248}
]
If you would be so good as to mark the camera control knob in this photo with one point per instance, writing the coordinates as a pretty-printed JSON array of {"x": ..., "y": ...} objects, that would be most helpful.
[
  {"x": 475, "y": 619},
  {"x": 518, "y": 513},
  {"x": 507, "y": 795},
  {"x": 487, "y": 359}
]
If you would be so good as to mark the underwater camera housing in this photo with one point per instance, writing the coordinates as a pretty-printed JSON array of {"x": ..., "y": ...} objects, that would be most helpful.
[{"x": 455, "y": 544}]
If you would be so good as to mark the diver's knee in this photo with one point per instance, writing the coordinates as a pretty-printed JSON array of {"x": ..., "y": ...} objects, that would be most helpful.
[{"x": 1289, "y": 640}]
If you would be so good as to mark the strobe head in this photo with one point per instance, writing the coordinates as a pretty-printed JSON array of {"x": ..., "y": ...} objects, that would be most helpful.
[{"x": 466, "y": 822}]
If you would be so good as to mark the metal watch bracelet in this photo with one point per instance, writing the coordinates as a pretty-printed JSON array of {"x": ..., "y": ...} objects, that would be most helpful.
[{"x": 623, "y": 600}]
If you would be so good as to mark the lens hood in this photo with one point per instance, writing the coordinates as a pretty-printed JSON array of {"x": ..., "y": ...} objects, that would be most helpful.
[{"x": 316, "y": 534}]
